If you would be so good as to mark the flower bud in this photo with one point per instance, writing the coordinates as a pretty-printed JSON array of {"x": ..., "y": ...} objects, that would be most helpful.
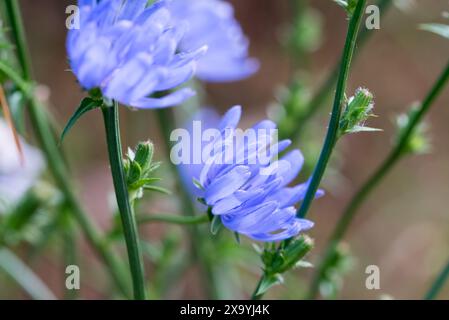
[
  {"x": 139, "y": 168},
  {"x": 286, "y": 257},
  {"x": 357, "y": 110}
]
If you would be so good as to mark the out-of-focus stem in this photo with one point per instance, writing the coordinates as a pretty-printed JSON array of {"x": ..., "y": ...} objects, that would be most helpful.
[
  {"x": 438, "y": 284},
  {"x": 166, "y": 123},
  {"x": 112, "y": 126},
  {"x": 173, "y": 219},
  {"x": 49, "y": 146},
  {"x": 395, "y": 155}
]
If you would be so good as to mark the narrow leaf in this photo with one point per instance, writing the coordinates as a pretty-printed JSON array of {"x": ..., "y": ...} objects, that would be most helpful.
[
  {"x": 268, "y": 282},
  {"x": 24, "y": 276},
  {"x": 216, "y": 225},
  {"x": 437, "y": 28},
  {"x": 86, "y": 105},
  {"x": 157, "y": 189}
]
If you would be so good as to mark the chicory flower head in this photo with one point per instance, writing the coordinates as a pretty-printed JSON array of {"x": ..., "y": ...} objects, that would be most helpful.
[
  {"x": 16, "y": 177},
  {"x": 251, "y": 196},
  {"x": 212, "y": 23},
  {"x": 130, "y": 51}
]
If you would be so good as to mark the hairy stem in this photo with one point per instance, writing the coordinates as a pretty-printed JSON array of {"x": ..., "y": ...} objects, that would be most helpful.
[
  {"x": 332, "y": 132},
  {"x": 328, "y": 85},
  {"x": 111, "y": 122},
  {"x": 395, "y": 155}
]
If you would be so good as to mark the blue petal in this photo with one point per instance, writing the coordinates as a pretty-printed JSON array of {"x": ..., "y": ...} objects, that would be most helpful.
[
  {"x": 231, "y": 118},
  {"x": 169, "y": 100},
  {"x": 291, "y": 231},
  {"x": 132, "y": 8},
  {"x": 227, "y": 184},
  {"x": 296, "y": 160},
  {"x": 244, "y": 223}
]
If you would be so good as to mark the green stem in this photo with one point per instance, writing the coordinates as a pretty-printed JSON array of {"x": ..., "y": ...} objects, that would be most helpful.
[
  {"x": 15, "y": 19},
  {"x": 69, "y": 246},
  {"x": 167, "y": 123},
  {"x": 332, "y": 132},
  {"x": 438, "y": 284},
  {"x": 173, "y": 219},
  {"x": 24, "y": 276},
  {"x": 395, "y": 155},
  {"x": 111, "y": 122},
  {"x": 256, "y": 296},
  {"x": 49, "y": 147},
  {"x": 328, "y": 85}
]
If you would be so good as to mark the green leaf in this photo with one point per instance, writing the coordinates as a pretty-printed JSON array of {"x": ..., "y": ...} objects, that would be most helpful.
[
  {"x": 134, "y": 173},
  {"x": 268, "y": 282},
  {"x": 143, "y": 182},
  {"x": 86, "y": 105},
  {"x": 144, "y": 155},
  {"x": 157, "y": 189},
  {"x": 237, "y": 237},
  {"x": 24, "y": 276},
  {"x": 197, "y": 184},
  {"x": 304, "y": 264},
  {"x": 153, "y": 167},
  {"x": 437, "y": 28},
  {"x": 357, "y": 129},
  {"x": 216, "y": 225}
]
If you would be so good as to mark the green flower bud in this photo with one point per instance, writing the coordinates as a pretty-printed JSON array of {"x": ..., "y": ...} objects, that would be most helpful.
[
  {"x": 286, "y": 257},
  {"x": 357, "y": 110},
  {"x": 139, "y": 168}
]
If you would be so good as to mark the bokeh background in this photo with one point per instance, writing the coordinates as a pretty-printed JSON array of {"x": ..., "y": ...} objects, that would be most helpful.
[{"x": 403, "y": 227}]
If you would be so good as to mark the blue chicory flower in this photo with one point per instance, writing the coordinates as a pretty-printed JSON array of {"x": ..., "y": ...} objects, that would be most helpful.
[
  {"x": 130, "y": 51},
  {"x": 16, "y": 177},
  {"x": 212, "y": 23},
  {"x": 251, "y": 196}
]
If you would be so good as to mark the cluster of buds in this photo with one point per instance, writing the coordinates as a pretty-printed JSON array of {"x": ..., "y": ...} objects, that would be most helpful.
[
  {"x": 356, "y": 112},
  {"x": 277, "y": 260},
  {"x": 139, "y": 168}
]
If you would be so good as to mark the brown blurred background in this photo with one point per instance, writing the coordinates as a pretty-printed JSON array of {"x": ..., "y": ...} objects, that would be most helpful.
[{"x": 403, "y": 228}]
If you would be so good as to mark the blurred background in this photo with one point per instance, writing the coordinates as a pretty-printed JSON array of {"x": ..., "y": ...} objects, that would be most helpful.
[{"x": 403, "y": 227}]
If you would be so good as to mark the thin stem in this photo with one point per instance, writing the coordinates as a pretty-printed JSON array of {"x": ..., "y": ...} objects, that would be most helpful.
[
  {"x": 438, "y": 284},
  {"x": 182, "y": 220},
  {"x": 49, "y": 146},
  {"x": 15, "y": 19},
  {"x": 69, "y": 246},
  {"x": 256, "y": 296},
  {"x": 395, "y": 155},
  {"x": 24, "y": 276},
  {"x": 332, "y": 133},
  {"x": 328, "y": 85},
  {"x": 111, "y": 122},
  {"x": 166, "y": 123}
]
